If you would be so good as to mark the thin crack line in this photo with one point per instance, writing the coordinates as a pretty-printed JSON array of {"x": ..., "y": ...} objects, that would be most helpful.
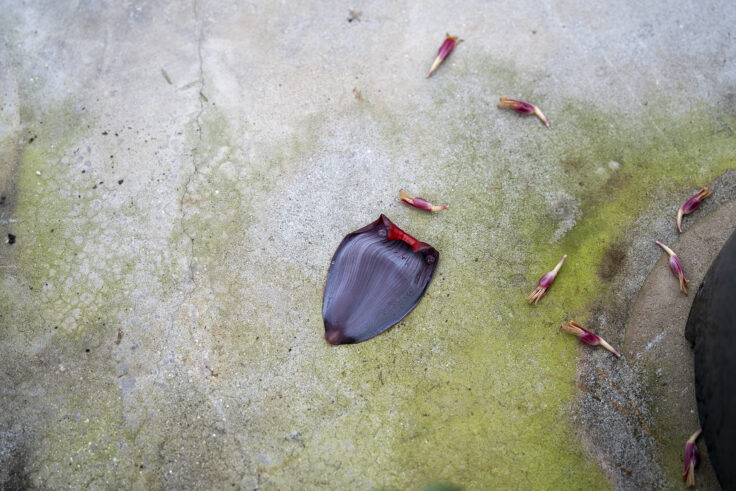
[
  {"x": 196, "y": 149},
  {"x": 189, "y": 291}
]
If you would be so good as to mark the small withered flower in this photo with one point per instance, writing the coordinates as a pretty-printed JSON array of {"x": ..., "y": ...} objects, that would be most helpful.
[
  {"x": 445, "y": 49},
  {"x": 522, "y": 107},
  {"x": 545, "y": 282},
  {"x": 420, "y": 203},
  {"x": 692, "y": 204},
  {"x": 587, "y": 337},
  {"x": 691, "y": 459},
  {"x": 675, "y": 267}
]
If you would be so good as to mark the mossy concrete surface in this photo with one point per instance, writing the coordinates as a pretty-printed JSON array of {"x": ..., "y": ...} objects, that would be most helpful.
[{"x": 176, "y": 177}]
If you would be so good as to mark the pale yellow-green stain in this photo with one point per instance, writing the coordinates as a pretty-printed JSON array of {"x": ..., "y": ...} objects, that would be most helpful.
[
  {"x": 474, "y": 387},
  {"x": 497, "y": 395}
]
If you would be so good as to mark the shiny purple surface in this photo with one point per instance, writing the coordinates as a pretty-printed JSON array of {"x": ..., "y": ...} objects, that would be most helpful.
[{"x": 373, "y": 282}]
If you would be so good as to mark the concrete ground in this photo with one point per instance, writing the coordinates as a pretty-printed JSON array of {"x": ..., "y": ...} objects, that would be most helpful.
[
  {"x": 655, "y": 341},
  {"x": 174, "y": 178}
]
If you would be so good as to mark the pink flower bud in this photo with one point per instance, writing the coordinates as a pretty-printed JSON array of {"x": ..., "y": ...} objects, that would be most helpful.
[
  {"x": 420, "y": 203},
  {"x": 691, "y": 459},
  {"x": 522, "y": 107},
  {"x": 445, "y": 49},
  {"x": 676, "y": 267},
  {"x": 586, "y": 336},
  {"x": 692, "y": 204},
  {"x": 545, "y": 282}
]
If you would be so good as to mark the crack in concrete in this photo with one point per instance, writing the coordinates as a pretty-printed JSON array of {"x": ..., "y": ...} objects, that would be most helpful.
[
  {"x": 186, "y": 195},
  {"x": 195, "y": 150}
]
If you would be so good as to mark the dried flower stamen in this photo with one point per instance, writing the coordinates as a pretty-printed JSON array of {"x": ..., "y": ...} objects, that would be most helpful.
[
  {"x": 691, "y": 459},
  {"x": 545, "y": 282},
  {"x": 587, "y": 337},
  {"x": 676, "y": 267},
  {"x": 420, "y": 203},
  {"x": 522, "y": 107},
  {"x": 445, "y": 49},
  {"x": 692, "y": 204}
]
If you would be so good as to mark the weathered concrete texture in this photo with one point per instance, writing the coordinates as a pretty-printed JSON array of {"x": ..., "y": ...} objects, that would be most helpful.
[
  {"x": 639, "y": 411},
  {"x": 177, "y": 177},
  {"x": 655, "y": 337}
]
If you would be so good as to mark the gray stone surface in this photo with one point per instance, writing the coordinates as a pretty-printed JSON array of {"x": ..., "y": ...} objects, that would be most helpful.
[
  {"x": 649, "y": 397},
  {"x": 178, "y": 175},
  {"x": 655, "y": 337}
]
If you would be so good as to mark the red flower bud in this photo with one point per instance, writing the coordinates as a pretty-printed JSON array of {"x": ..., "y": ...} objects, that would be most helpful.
[
  {"x": 420, "y": 203},
  {"x": 587, "y": 337},
  {"x": 691, "y": 459},
  {"x": 445, "y": 49},
  {"x": 676, "y": 267},
  {"x": 545, "y": 282},
  {"x": 692, "y": 204},
  {"x": 522, "y": 107}
]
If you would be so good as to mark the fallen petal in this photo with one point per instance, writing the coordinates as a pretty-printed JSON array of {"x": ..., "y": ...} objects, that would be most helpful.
[
  {"x": 445, "y": 49},
  {"x": 522, "y": 107},
  {"x": 378, "y": 275},
  {"x": 545, "y": 282},
  {"x": 587, "y": 337},
  {"x": 691, "y": 459},
  {"x": 675, "y": 267},
  {"x": 692, "y": 204},
  {"x": 420, "y": 203}
]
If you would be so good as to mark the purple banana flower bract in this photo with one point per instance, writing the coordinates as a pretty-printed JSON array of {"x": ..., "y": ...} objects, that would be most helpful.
[{"x": 378, "y": 275}]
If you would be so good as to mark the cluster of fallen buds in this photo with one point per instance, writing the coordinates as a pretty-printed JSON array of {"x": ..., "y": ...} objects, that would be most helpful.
[
  {"x": 545, "y": 282},
  {"x": 691, "y": 459},
  {"x": 520, "y": 107},
  {"x": 689, "y": 206},
  {"x": 585, "y": 336}
]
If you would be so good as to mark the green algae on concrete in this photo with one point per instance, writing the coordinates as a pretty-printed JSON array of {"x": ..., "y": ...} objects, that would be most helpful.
[
  {"x": 642, "y": 160},
  {"x": 474, "y": 387},
  {"x": 395, "y": 393},
  {"x": 59, "y": 199},
  {"x": 72, "y": 285},
  {"x": 620, "y": 166},
  {"x": 226, "y": 177},
  {"x": 474, "y": 372}
]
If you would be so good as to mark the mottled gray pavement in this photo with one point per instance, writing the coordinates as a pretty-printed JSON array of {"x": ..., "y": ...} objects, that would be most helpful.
[{"x": 177, "y": 175}]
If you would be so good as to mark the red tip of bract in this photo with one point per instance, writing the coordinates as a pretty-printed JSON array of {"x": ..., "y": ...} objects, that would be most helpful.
[
  {"x": 545, "y": 282},
  {"x": 336, "y": 336},
  {"x": 419, "y": 203},
  {"x": 445, "y": 49},
  {"x": 691, "y": 459},
  {"x": 522, "y": 107},
  {"x": 675, "y": 267},
  {"x": 692, "y": 204}
]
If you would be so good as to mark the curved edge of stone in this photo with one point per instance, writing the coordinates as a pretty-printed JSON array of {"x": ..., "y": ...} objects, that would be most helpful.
[{"x": 636, "y": 413}]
